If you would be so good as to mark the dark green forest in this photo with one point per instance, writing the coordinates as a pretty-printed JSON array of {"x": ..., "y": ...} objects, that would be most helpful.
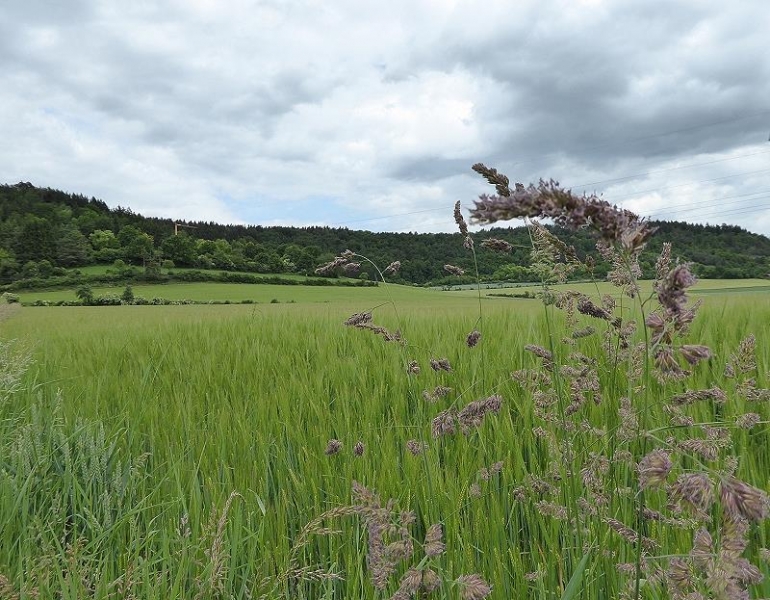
[{"x": 46, "y": 232}]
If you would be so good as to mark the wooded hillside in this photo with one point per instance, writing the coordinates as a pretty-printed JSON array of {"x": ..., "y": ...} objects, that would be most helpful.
[{"x": 43, "y": 231}]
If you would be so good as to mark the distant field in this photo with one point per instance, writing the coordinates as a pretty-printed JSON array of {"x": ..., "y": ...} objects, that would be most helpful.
[
  {"x": 704, "y": 286},
  {"x": 383, "y": 293},
  {"x": 102, "y": 269}
]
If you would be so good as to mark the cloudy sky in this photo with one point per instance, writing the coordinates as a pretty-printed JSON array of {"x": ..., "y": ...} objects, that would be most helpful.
[{"x": 369, "y": 114}]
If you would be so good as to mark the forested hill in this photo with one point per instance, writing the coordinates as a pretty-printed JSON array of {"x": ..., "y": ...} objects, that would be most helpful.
[{"x": 41, "y": 229}]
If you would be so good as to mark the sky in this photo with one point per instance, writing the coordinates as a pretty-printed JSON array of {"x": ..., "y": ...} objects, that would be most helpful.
[{"x": 369, "y": 114}]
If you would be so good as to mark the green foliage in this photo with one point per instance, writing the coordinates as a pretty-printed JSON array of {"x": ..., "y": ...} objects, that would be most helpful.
[
  {"x": 85, "y": 294},
  {"x": 43, "y": 224},
  {"x": 128, "y": 295}
]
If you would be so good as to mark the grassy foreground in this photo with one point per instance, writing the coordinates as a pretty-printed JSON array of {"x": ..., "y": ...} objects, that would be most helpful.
[{"x": 178, "y": 452}]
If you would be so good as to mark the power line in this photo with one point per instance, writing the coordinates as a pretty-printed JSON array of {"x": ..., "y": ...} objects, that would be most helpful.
[
  {"x": 633, "y": 195},
  {"x": 711, "y": 162},
  {"x": 535, "y": 157},
  {"x": 626, "y": 198}
]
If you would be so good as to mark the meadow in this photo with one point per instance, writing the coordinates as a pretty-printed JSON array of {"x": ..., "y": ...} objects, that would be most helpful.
[{"x": 211, "y": 451}]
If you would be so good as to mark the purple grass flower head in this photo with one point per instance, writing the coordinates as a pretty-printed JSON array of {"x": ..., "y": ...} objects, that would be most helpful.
[
  {"x": 693, "y": 354},
  {"x": 473, "y": 338},
  {"x": 453, "y": 270},
  {"x": 440, "y": 364},
  {"x": 333, "y": 447},
  {"x": 443, "y": 423},
  {"x": 654, "y": 468},
  {"x": 413, "y": 367},
  {"x": 548, "y": 199},
  {"x": 473, "y": 587},
  {"x": 497, "y": 245},
  {"x": 392, "y": 268},
  {"x": 743, "y": 501},
  {"x": 359, "y": 319},
  {"x": 416, "y": 447},
  {"x": 351, "y": 269},
  {"x": 358, "y": 449},
  {"x": 461, "y": 224},
  {"x": 672, "y": 289},
  {"x": 434, "y": 544}
]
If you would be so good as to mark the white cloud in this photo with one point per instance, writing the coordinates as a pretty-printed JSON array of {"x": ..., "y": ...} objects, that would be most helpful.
[{"x": 302, "y": 111}]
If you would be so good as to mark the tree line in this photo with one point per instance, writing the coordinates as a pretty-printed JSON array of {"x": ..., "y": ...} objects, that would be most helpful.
[{"x": 45, "y": 232}]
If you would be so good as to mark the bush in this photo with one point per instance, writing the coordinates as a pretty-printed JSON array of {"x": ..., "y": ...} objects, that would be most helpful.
[
  {"x": 128, "y": 295},
  {"x": 107, "y": 300}
]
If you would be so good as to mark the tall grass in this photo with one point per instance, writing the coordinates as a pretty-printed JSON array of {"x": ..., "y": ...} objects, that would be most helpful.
[{"x": 131, "y": 433}]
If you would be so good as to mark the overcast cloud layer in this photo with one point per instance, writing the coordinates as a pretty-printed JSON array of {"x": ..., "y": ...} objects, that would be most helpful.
[{"x": 369, "y": 114}]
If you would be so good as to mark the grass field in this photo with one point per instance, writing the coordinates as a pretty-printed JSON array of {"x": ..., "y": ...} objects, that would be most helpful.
[
  {"x": 135, "y": 426},
  {"x": 265, "y": 293}
]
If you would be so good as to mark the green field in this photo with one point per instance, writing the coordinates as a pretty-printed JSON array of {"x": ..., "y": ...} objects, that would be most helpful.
[{"x": 135, "y": 425}]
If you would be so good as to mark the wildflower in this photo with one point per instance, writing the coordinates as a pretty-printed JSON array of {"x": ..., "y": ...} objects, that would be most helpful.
[
  {"x": 452, "y": 270},
  {"x": 655, "y": 322},
  {"x": 330, "y": 267},
  {"x": 663, "y": 264},
  {"x": 473, "y": 338},
  {"x": 358, "y": 449},
  {"x": 333, "y": 447},
  {"x": 473, "y": 587},
  {"x": 654, "y": 468}
]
